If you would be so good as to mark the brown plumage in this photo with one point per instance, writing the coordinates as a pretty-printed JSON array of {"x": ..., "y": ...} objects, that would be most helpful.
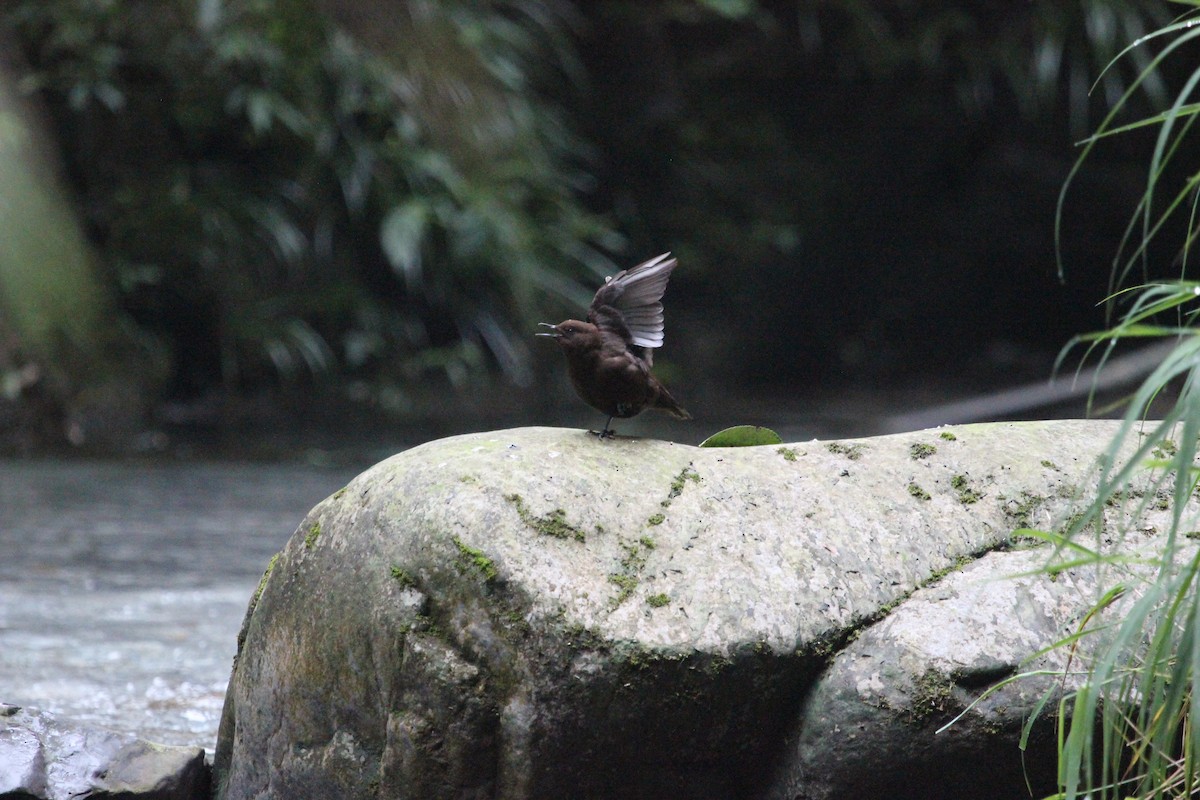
[{"x": 609, "y": 356}]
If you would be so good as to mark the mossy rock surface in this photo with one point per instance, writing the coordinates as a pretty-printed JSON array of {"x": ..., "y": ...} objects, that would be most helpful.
[{"x": 511, "y": 660}]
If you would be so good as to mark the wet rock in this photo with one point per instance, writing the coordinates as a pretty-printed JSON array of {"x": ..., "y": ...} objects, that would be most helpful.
[
  {"x": 535, "y": 613},
  {"x": 45, "y": 757}
]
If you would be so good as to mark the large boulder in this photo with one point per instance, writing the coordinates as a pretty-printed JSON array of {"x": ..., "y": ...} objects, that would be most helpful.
[
  {"x": 43, "y": 757},
  {"x": 538, "y": 614}
]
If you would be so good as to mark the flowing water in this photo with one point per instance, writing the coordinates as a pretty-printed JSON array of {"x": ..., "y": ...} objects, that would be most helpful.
[{"x": 122, "y": 586}]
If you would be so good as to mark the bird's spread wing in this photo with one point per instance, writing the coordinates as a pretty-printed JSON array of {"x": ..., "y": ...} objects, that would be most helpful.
[{"x": 637, "y": 294}]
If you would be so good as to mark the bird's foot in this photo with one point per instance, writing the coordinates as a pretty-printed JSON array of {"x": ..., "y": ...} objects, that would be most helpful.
[{"x": 608, "y": 432}]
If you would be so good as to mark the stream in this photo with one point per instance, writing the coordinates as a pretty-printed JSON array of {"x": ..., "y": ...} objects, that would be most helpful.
[{"x": 123, "y": 585}]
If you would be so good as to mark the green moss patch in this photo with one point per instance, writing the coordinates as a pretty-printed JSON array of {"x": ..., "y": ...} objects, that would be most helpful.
[
  {"x": 967, "y": 494},
  {"x": 919, "y": 450},
  {"x": 850, "y": 451},
  {"x": 262, "y": 582},
  {"x": 933, "y": 694},
  {"x": 632, "y": 564},
  {"x": 553, "y": 524},
  {"x": 310, "y": 538},
  {"x": 948, "y": 436},
  {"x": 680, "y": 481},
  {"x": 657, "y": 600},
  {"x": 403, "y": 577},
  {"x": 788, "y": 453},
  {"x": 917, "y": 492},
  {"x": 625, "y": 583},
  {"x": 470, "y": 558},
  {"x": 1020, "y": 509},
  {"x": 1165, "y": 450}
]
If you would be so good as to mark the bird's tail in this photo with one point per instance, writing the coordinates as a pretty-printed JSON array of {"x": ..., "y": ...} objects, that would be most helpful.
[{"x": 664, "y": 402}]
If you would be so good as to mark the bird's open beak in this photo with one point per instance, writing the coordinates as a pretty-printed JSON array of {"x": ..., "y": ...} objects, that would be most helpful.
[{"x": 554, "y": 328}]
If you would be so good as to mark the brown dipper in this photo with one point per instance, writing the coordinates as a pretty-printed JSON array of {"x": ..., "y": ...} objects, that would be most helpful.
[{"x": 609, "y": 356}]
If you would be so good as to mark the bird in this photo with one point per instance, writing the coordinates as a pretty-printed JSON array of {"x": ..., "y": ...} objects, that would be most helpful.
[{"x": 609, "y": 356}]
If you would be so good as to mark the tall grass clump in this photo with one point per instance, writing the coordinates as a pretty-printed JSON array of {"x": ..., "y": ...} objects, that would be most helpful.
[{"x": 1129, "y": 731}]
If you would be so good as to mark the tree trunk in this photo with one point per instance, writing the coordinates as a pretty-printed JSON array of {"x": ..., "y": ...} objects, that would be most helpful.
[{"x": 77, "y": 359}]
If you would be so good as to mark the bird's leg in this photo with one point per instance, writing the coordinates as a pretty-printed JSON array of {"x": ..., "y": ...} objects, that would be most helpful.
[{"x": 606, "y": 433}]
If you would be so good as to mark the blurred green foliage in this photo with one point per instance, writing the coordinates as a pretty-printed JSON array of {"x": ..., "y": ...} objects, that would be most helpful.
[
  {"x": 762, "y": 116},
  {"x": 841, "y": 167},
  {"x": 278, "y": 202},
  {"x": 1041, "y": 55},
  {"x": 392, "y": 191}
]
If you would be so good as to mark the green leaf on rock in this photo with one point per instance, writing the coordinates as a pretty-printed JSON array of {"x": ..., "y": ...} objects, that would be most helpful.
[{"x": 742, "y": 436}]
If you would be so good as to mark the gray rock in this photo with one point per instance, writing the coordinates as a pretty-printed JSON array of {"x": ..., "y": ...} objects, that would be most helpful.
[
  {"x": 874, "y": 723},
  {"x": 535, "y": 613},
  {"x": 45, "y": 757}
]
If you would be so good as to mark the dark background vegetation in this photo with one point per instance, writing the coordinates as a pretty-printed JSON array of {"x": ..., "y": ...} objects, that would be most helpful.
[{"x": 352, "y": 213}]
